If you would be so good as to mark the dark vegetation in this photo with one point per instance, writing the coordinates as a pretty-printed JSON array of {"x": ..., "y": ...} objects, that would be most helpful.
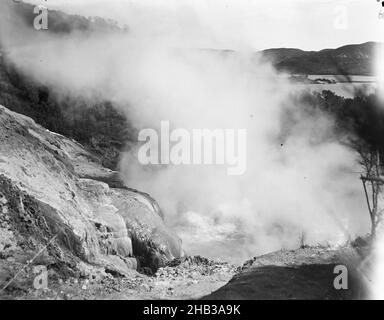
[
  {"x": 98, "y": 125},
  {"x": 61, "y": 22},
  {"x": 359, "y": 123}
]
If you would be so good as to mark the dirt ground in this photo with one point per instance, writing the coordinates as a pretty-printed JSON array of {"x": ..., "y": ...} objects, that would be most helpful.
[
  {"x": 192, "y": 278},
  {"x": 306, "y": 273}
]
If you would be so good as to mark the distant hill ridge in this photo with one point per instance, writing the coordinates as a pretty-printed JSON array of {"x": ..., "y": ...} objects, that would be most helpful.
[{"x": 354, "y": 59}]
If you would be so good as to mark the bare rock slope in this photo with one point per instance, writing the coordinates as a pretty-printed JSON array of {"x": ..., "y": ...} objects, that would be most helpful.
[{"x": 60, "y": 208}]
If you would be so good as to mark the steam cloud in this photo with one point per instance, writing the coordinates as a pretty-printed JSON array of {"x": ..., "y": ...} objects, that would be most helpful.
[{"x": 299, "y": 183}]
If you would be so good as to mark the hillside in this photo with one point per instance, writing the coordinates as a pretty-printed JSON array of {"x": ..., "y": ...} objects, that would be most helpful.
[
  {"x": 62, "y": 210},
  {"x": 98, "y": 125},
  {"x": 59, "y": 22},
  {"x": 354, "y": 59}
]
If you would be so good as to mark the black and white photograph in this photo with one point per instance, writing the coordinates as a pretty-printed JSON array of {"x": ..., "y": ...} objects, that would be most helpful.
[{"x": 187, "y": 156}]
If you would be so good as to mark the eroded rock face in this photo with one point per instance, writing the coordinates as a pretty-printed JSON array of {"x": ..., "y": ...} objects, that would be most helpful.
[{"x": 53, "y": 192}]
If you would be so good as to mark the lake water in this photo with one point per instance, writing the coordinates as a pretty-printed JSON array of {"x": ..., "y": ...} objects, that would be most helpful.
[
  {"x": 341, "y": 78},
  {"x": 344, "y": 86}
]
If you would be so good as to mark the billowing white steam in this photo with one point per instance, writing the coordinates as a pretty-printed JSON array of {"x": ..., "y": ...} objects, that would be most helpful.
[{"x": 301, "y": 186}]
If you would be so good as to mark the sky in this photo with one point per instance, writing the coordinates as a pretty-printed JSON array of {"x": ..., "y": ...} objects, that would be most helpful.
[{"x": 242, "y": 24}]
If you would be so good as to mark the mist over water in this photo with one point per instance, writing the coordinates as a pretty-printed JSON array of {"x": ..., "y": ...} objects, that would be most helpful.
[{"x": 300, "y": 184}]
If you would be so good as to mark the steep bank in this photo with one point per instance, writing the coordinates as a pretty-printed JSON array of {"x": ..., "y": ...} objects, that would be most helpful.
[{"x": 58, "y": 200}]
